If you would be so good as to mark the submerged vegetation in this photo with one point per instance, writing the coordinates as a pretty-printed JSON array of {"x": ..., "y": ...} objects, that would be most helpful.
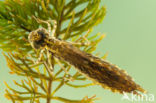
[
  {"x": 73, "y": 24},
  {"x": 75, "y": 20}
]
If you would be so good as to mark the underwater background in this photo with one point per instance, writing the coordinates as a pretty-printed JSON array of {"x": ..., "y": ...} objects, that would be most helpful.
[{"x": 130, "y": 28}]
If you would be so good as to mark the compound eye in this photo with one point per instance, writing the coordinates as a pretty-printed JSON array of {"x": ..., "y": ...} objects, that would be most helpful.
[{"x": 44, "y": 34}]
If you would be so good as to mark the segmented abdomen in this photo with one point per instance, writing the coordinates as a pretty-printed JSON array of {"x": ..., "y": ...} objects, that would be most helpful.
[{"x": 102, "y": 72}]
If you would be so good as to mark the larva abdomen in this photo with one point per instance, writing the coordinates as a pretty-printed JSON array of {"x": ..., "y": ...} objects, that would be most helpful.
[{"x": 100, "y": 71}]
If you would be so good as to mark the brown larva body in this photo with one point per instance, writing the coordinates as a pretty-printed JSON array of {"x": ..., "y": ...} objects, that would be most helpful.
[{"x": 100, "y": 71}]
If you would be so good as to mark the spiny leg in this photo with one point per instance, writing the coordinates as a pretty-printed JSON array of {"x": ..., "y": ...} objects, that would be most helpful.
[
  {"x": 48, "y": 67},
  {"x": 40, "y": 56},
  {"x": 54, "y": 27},
  {"x": 84, "y": 37},
  {"x": 38, "y": 61},
  {"x": 62, "y": 67},
  {"x": 52, "y": 32},
  {"x": 42, "y": 21},
  {"x": 52, "y": 35},
  {"x": 77, "y": 43},
  {"x": 49, "y": 61}
]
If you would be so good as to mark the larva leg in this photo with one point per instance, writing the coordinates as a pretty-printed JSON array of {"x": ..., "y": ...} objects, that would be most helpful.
[
  {"x": 77, "y": 43},
  {"x": 49, "y": 61},
  {"x": 54, "y": 27},
  {"x": 40, "y": 56},
  {"x": 42, "y": 21},
  {"x": 87, "y": 41},
  {"x": 52, "y": 35},
  {"x": 62, "y": 67},
  {"x": 48, "y": 65}
]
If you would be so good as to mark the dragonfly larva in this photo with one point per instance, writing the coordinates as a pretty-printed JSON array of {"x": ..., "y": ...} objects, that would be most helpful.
[{"x": 100, "y": 71}]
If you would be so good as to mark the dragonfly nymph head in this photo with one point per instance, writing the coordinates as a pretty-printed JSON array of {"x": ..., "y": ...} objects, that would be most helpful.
[{"x": 37, "y": 38}]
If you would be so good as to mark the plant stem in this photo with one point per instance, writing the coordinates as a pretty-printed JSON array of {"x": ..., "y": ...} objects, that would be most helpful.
[
  {"x": 49, "y": 90},
  {"x": 59, "y": 23}
]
